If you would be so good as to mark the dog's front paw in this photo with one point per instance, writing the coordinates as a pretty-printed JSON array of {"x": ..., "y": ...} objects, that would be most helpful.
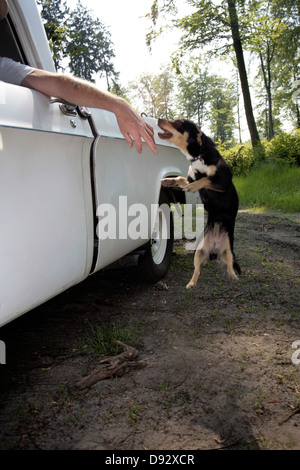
[
  {"x": 168, "y": 182},
  {"x": 191, "y": 188}
]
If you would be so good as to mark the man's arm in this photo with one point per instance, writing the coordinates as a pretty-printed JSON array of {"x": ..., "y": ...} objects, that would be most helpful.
[{"x": 84, "y": 93}]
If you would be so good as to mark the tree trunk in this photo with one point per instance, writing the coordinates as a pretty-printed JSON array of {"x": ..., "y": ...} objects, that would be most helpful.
[
  {"x": 267, "y": 82},
  {"x": 234, "y": 24},
  {"x": 238, "y": 107}
]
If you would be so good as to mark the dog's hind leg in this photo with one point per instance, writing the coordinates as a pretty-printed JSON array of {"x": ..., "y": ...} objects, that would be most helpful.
[
  {"x": 200, "y": 256},
  {"x": 236, "y": 266},
  {"x": 228, "y": 258}
]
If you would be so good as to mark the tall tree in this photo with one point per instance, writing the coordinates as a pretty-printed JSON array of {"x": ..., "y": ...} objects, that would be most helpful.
[
  {"x": 286, "y": 67},
  {"x": 55, "y": 15},
  {"x": 193, "y": 90},
  {"x": 214, "y": 24},
  {"x": 152, "y": 94},
  {"x": 82, "y": 39},
  {"x": 222, "y": 102},
  {"x": 237, "y": 44},
  {"x": 265, "y": 31},
  {"x": 90, "y": 48}
]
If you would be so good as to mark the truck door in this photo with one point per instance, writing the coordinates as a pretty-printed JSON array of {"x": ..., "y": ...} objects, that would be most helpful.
[
  {"x": 46, "y": 231},
  {"x": 127, "y": 188},
  {"x": 46, "y": 211}
]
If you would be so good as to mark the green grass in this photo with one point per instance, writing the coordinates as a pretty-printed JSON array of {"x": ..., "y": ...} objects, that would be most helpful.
[
  {"x": 100, "y": 337},
  {"x": 270, "y": 186}
]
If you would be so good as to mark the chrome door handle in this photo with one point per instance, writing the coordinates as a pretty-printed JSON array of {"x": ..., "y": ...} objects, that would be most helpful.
[
  {"x": 66, "y": 108},
  {"x": 71, "y": 109}
]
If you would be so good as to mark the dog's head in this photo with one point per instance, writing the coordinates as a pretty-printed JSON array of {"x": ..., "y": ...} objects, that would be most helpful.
[{"x": 184, "y": 134}]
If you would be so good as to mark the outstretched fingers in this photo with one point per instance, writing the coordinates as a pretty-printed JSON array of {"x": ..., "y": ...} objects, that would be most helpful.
[{"x": 135, "y": 131}]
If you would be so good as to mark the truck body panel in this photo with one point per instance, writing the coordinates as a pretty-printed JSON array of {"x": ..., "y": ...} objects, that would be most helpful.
[{"x": 58, "y": 173}]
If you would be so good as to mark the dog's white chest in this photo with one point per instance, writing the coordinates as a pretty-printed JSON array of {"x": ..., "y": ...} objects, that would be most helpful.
[{"x": 199, "y": 165}]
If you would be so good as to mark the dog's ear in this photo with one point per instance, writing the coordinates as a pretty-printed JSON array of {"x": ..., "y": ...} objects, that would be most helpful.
[
  {"x": 193, "y": 149},
  {"x": 195, "y": 132},
  {"x": 194, "y": 140}
]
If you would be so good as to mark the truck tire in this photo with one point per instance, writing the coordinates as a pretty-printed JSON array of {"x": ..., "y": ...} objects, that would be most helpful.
[{"x": 155, "y": 262}]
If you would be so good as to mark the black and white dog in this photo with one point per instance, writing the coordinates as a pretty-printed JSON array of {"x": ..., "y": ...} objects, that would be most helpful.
[{"x": 211, "y": 176}]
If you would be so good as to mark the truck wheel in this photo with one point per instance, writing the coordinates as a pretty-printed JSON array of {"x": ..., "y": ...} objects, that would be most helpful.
[{"x": 154, "y": 263}]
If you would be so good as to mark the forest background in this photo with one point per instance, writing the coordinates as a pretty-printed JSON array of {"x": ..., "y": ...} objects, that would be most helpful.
[{"x": 259, "y": 34}]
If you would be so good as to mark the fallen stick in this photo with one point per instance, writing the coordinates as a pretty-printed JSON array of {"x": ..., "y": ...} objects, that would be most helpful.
[
  {"x": 113, "y": 366},
  {"x": 296, "y": 411}
]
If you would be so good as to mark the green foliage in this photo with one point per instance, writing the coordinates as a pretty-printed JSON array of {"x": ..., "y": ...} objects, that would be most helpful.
[
  {"x": 270, "y": 185},
  {"x": 54, "y": 14},
  {"x": 193, "y": 90},
  {"x": 240, "y": 158},
  {"x": 152, "y": 94},
  {"x": 197, "y": 34},
  {"x": 268, "y": 177},
  {"x": 82, "y": 38},
  {"x": 284, "y": 149},
  {"x": 221, "y": 113},
  {"x": 90, "y": 48},
  {"x": 268, "y": 29}
]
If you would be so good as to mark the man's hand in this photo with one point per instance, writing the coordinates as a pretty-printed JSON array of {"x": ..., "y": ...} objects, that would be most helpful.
[{"x": 134, "y": 128}]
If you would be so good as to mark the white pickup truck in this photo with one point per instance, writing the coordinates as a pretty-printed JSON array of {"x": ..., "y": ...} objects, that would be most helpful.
[{"x": 58, "y": 166}]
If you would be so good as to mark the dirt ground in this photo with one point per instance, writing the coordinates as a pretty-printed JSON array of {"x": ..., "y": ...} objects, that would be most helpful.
[{"x": 218, "y": 369}]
